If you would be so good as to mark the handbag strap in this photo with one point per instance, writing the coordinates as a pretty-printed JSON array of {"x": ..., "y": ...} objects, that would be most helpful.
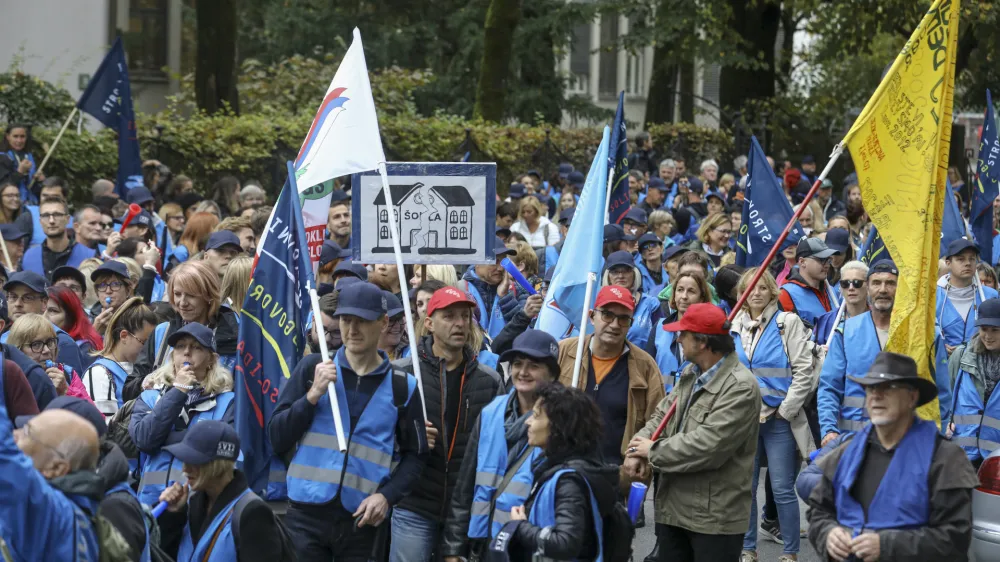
[
  {"x": 215, "y": 536},
  {"x": 511, "y": 472}
]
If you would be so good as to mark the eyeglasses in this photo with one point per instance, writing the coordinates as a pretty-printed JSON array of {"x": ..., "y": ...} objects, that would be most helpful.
[
  {"x": 52, "y": 216},
  {"x": 107, "y": 225},
  {"x": 609, "y": 317},
  {"x": 114, "y": 286},
  {"x": 26, "y": 431},
  {"x": 26, "y": 299},
  {"x": 856, "y": 283},
  {"x": 724, "y": 232},
  {"x": 138, "y": 339},
  {"x": 38, "y": 345}
]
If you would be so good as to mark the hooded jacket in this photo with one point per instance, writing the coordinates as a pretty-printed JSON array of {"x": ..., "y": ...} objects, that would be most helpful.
[{"x": 122, "y": 509}]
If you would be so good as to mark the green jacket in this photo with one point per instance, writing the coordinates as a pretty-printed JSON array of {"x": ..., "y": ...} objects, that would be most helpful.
[{"x": 705, "y": 455}]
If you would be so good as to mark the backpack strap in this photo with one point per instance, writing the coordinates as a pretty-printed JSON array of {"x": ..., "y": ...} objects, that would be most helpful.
[{"x": 237, "y": 513}]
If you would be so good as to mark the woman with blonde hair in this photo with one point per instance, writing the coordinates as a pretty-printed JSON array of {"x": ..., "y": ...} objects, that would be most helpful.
[
  {"x": 525, "y": 260},
  {"x": 173, "y": 216},
  {"x": 533, "y": 223},
  {"x": 443, "y": 273},
  {"x": 775, "y": 346},
  {"x": 195, "y": 236},
  {"x": 712, "y": 238},
  {"x": 34, "y": 335},
  {"x": 129, "y": 328},
  {"x": 190, "y": 386},
  {"x": 235, "y": 283}
]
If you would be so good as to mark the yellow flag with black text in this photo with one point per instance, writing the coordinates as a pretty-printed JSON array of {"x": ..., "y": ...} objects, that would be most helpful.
[{"x": 900, "y": 146}]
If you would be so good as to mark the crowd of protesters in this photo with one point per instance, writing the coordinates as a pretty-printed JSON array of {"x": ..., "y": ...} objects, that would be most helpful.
[{"x": 117, "y": 387}]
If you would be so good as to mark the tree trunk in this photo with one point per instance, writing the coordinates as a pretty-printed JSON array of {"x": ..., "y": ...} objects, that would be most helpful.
[
  {"x": 662, "y": 97},
  {"x": 687, "y": 92},
  {"x": 757, "y": 23},
  {"x": 501, "y": 21},
  {"x": 215, "y": 69}
]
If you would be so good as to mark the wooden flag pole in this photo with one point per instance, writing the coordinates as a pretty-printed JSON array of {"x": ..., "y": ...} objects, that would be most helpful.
[{"x": 52, "y": 148}]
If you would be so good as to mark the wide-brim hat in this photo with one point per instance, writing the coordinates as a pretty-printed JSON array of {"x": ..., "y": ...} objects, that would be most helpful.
[{"x": 894, "y": 367}]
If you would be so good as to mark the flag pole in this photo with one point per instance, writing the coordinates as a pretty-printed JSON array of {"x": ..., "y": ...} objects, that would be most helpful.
[
  {"x": 331, "y": 389},
  {"x": 394, "y": 231},
  {"x": 52, "y": 148},
  {"x": 836, "y": 322},
  {"x": 591, "y": 279},
  {"x": 834, "y": 156},
  {"x": 6, "y": 256}
]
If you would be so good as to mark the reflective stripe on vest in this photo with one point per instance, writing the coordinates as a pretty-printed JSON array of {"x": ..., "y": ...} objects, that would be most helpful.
[
  {"x": 161, "y": 469},
  {"x": 977, "y": 427},
  {"x": 224, "y": 547},
  {"x": 543, "y": 510},
  {"x": 124, "y": 487},
  {"x": 117, "y": 372},
  {"x": 807, "y": 304},
  {"x": 860, "y": 348},
  {"x": 642, "y": 320},
  {"x": 769, "y": 363},
  {"x": 669, "y": 363},
  {"x": 319, "y": 471},
  {"x": 955, "y": 329},
  {"x": 908, "y": 470}
]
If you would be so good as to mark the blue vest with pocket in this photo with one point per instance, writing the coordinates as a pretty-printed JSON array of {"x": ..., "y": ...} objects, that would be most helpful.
[
  {"x": 769, "y": 363},
  {"x": 650, "y": 286},
  {"x": 642, "y": 320},
  {"x": 669, "y": 363},
  {"x": 807, "y": 304},
  {"x": 977, "y": 427},
  {"x": 37, "y": 234},
  {"x": 908, "y": 470},
  {"x": 491, "y": 467},
  {"x": 32, "y": 260},
  {"x": 220, "y": 529},
  {"x": 956, "y": 330},
  {"x": 491, "y": 321},
  {"x": 543, "y": 510},
  {"x": 551, "y": 258},
  {"x": 124, "y": 487},
  {"x": 319, "y": 472},
  {"x": 860, "y": 348},
  {"x": 161, "y": 469}
]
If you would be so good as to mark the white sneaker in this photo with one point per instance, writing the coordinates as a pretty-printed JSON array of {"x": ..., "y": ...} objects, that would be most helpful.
[{"x": 748, "y": 556}]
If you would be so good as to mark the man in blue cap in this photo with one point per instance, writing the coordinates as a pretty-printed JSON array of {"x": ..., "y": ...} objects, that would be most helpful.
[
  {"x": 336, "y": 494},
  {"x": 58, "y": 248},
  {"x": 515, "y": 193},
  {"x": 221, "y": 248},
  {"x": 498, "y": 447},
  {"x": 959, "y": 296},
  {"x": 13, "y": 238},
  {"x": 838, "y": 240},
  {"x": 616, "y": 239},
  {"x": 26, "y": 294},
  {"x": 805, "y": 291},
  {"x": 574, "y": 184},
  {"x": 347, "y": 268},
  {"x": 656, "y": 196},
  {"x": 635, "y": 221},
  {"x": 486, "y": 285}
]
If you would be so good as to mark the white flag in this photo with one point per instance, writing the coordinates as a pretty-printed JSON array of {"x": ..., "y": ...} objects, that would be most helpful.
[{"x": 343, "y": 139}]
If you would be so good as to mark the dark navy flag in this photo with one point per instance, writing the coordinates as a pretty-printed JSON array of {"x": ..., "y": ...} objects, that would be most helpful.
[
  {"x": 952, "y": 224},
  {"x": 272, "y": 336},
  {"x": 873, "y": 249},
  {"x": 108, "y": 98},
  {"x": 619, "y": 200},
  {"x": 766, "y": 212},
  {"x": 987, "y": 186}
]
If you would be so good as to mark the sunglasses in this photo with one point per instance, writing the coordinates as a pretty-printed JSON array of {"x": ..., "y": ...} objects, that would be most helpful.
[{"x": 856, "y": 283}]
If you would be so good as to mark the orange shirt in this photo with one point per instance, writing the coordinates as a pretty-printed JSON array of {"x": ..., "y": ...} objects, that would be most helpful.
[{"x": 602, "y": 366}]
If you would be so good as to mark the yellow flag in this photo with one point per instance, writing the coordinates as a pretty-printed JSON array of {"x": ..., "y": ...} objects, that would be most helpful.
[{"x": 900, "y": 145}]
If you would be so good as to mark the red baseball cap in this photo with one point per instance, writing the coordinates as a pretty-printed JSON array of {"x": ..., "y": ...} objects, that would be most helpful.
[
  {"x": 702, "y": 318},
  {"x": 448, "y": 296},
  {"x": 615, "y": 294}
]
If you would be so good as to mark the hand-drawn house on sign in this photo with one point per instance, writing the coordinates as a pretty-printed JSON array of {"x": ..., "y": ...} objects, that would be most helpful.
[{"x": 431, "y": 219}]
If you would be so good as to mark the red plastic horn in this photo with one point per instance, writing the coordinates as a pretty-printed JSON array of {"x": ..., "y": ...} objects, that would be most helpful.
[{"x": 133, "y": 210}]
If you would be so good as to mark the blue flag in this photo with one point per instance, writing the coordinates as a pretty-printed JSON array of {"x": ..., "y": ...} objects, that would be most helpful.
[
  {"x": 987, "y": 186},
  {"x": 581, "y": 253},
  {"x": 272, "y": 336},
  {"x": 874, "y": 249},
  {"x": 619, "y": 200},
  {"x": 108, "y": 98},
  {"x": 766, "y": 212},
  {"x": 952, "y": 224}
]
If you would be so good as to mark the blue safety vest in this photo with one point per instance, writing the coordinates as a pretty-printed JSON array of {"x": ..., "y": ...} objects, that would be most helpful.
[
  {"x": 860, "y": 348},
  {"x": 807, "y": 304},
  {"x": 491, "y": 320},
  {"x": 642, "y": 320},
  {"x": 159, "y": 290},
  {"x": 977, "y": 427},
  {"x": 37, "y": 234},
  {"x": 16, "y": 158},
  {"x": 769, "y": 363},
  {"x": 491, "y": 467},
  {"x": 32, "y": 260},
  {"x": 124, "y": 487},
  {"x": 161, "y": 469},
  {"x": 908, "y": 470},
  {"x": 551, "y": 257},
  {"x": 223, "y": 549},
  {"x": 957, "y": 330},
  {"x": 117, "y": 372},
  {"x": 649, "y": 286},
  {"x": 486, "y": 357},
  {"x": 543, "y": 510},
  {"x": 319, "y": 472},
  {"x": 669, "y": 363}
]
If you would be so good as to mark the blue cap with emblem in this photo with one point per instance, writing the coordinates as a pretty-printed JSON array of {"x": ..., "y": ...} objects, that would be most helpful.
[
  {"x": 202, "y": 334},
  {"x": 364, "y": 300},
  {"x": 205, "y": 442}
]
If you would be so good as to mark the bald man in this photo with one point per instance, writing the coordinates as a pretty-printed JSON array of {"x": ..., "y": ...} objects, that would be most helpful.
[
  {"x": 103, "y": 188},
  {"x": 50, "y": 487}
]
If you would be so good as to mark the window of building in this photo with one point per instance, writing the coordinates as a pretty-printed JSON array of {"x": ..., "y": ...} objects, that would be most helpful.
[
  {"x": 384, "y": 232},
  {"x": 579, "y": 60},
  {"x": 383, "y": 216},
  {"x": 607, "y": 84},
  {"x": 146, "y": 39},
  {"x": 453, "y": 216},
  {"x": 463, "y": 233},
  {"x": 465, "y": 216},
  {"x": 454, "y": 232}
]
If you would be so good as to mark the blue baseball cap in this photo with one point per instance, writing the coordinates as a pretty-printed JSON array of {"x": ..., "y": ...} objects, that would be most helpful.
[
  {"x": 649, "y": 238},
  {"x": 339, "y": 196},
  {"x": 619, "y": 258},
  {"x": 960, "y": 245},
  {"x": 502, "y": 232},
  {"x": 636, "y": 215},
  {"x": 202, "y": 334},
  {"x": 353, "y": 269},
  {"x": 67, "y": 272},
  {"x": 695, "y": 185},
  {"x": 516, "y": 190},
  {"x": 138, "y": 195},
  {"x": 808, "y": 159},
  {"x": 500, "y": 249},
  {"x": 111, "y": 266},
  {"x": 394, "y": 306},
  {"x": 142, "y": 219},
  {"x": 332, "y": 251},
  {"x": 537, "y": 345},
  {"x": 29, "y": 279},
  {"x": 347, "y": 280},
  {"x": 716, "y": 194},
  {"x": 838, "y": 239},
  {"x": 883, "y": 266},
  {"x": 223, "y": 238},
  {"x": 565, "y": 169},
  {"x": 566, "y": 215},
  {"x": 657, "y": 183},
  {"x": 364, "y": 300},
  {"x": 205, "y": 442},
  {"x": 78, "y": 406},
  {"x": 11, "y": 232},
  {"x": 989, "y": 313},
  {"x": 615, "y": 233},
  {"x": 576, "y": 178},
  {"x": 674, "y": 251}
]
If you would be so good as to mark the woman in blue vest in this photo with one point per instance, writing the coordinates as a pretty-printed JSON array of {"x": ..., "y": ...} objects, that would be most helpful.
[
  {"x": 620, "y": 269},
  {"x": 574, "y": 489},
  {"x": 220, "y": 519},
  {"x": 128, "y": 329},
  {"x": 191, "y": 386},
  {"x": 498, "y": 446},
  {"x": 975, "y": 370},
  {"x": 14, "y": 211},
  {"x": 690, "y": 288},
  {"x": 775, "y": 346},
  {"x": 15, "y": 143},
  {"x": 650, "y": 264}
]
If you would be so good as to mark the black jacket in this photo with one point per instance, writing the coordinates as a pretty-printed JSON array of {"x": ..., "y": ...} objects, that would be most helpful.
[
  {"x": 122, "y": 509},
  {"x": 573, "y": 536},
  {"x": 455, "y": 539},
  {"x": 513, "y": 328},
  {"x": 260, "y": 539},
  {"x": 429, "y": 497},
  {"x": 226, "y": 325}
]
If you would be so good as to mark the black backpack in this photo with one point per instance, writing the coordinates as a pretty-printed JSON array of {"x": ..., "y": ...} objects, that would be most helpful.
[
  {"x": 287, "y": 548},
  {"x": 118, "y": 430},
  {"x": 618, "y": 534}
]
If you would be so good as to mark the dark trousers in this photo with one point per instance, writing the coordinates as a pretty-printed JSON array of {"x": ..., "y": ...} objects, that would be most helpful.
[
  {"x": 681, "y": 545},
  {"x": 324, "y": 533}
]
